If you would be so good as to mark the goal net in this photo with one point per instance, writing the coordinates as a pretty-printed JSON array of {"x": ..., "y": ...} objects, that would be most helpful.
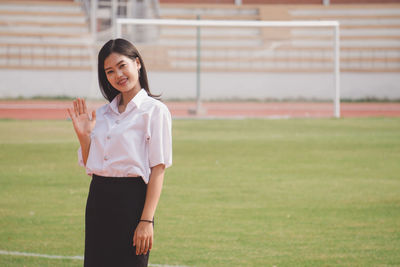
[{"x": 256, "y": 61}]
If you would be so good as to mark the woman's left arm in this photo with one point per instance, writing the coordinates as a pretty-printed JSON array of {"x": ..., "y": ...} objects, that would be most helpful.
[{"x": 143, "y": 237}]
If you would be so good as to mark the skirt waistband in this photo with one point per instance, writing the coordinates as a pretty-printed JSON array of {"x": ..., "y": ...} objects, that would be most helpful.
[{"x": 104, "y": 179}]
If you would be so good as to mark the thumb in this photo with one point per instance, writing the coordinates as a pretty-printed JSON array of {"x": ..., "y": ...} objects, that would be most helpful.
[
  {"x": 94, "y": 115},
  {"x": 134, "y": 239}
]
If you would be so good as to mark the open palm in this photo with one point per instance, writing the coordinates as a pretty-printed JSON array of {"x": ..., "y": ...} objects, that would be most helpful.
[{"x": 83, "y": 124}]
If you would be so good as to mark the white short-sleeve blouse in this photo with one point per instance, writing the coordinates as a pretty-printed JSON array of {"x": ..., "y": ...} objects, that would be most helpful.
[{"x": 128, "y": 144}]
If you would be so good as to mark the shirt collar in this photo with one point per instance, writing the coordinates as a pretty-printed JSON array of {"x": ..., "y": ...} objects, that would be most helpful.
[
  {"x": 136, "y": 101},
  {"x": 139, "y": 98}
]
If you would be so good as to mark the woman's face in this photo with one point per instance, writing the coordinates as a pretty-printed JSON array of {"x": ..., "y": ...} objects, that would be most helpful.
[{"x": 122, "y": 72}]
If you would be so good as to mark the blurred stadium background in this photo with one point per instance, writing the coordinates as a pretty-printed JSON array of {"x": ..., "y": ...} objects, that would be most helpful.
[
  {"x": 251, "y": 192},
  {"x": 48, "y": 49}
]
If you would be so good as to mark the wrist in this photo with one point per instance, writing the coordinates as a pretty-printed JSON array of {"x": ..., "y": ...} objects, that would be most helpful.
[
  {"x": 84, "y": 139},
  {"x": 84, "y": 135},
  {"x": 147, "y": 221}
]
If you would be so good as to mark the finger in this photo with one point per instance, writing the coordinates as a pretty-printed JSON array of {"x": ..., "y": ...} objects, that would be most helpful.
[
  {"x": 76, "y": 110},
  {"x": 151, "y": 243},
  {"x": 80, "y": 105},
  {"x": 146, "y": 246},
  {"x": 94, "y": 115},
  {"x": 69, "y": 113},
  {"x": 134, "y": 239},
  {"x": 138, "y": 244},
  {"x": 84, "y": 106},
  {"x": 142, "y": 246}
]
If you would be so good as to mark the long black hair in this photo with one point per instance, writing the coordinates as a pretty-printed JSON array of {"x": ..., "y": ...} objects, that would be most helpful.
[{"x": 125, "y": 48}]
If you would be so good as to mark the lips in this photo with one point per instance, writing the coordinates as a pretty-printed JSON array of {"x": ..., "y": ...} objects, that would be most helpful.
[{"x": 122, "y": 81}]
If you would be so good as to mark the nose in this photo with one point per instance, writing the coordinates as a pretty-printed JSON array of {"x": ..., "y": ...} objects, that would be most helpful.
[{"x": 119, "y": 73}]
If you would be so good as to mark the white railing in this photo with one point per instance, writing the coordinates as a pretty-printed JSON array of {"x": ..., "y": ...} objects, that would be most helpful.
[{"x": 217, "y": 23}]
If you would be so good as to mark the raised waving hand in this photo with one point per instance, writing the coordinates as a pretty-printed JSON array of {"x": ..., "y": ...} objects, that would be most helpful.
[{"x": 83, "y": 124}]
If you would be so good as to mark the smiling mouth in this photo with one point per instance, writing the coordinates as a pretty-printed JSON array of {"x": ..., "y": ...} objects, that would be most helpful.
[{"x": 123, "y": 81}]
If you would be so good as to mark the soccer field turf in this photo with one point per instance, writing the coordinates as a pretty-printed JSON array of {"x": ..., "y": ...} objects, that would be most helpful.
[{"x": 298, "y": 192}]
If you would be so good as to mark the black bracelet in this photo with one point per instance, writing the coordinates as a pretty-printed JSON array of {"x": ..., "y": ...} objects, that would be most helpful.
[{"x": 146, "y": 221}]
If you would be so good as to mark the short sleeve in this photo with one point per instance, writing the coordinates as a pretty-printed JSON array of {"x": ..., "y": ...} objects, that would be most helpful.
[
  {"x": 160, "y": 143},
  {"x": 80, "y": 158}
]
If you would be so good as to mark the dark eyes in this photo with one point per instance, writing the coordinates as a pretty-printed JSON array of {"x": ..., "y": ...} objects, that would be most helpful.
[{"x": 120, "y": 66}]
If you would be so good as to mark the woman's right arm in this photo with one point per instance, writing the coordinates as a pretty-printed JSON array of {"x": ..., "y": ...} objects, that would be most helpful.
[{"x": 83, "y": 125}]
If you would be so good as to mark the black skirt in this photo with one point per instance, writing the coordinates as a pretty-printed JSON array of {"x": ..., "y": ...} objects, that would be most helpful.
[{"x": 113, "y": 210}]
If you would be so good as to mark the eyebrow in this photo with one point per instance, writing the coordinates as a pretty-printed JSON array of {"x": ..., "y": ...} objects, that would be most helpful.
[{"x": 115, "y": 65}]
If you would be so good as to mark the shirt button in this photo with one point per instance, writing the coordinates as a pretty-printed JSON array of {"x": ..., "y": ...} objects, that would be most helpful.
[
  {"x": 108, "y": 137},
  {"x": 105, "y": 158},
  {"x": 117, "y": 121}
]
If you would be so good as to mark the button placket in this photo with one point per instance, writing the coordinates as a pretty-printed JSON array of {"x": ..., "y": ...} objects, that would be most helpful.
[{"x": 106, "y": 146}]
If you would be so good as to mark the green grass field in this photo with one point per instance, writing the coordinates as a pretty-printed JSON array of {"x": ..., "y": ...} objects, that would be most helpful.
[{"x": 300, "y": 192}]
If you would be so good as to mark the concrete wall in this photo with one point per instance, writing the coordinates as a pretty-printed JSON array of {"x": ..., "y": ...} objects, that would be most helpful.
[
  {"x": 49, "y": 83},
  {"x": 215, "y": 86},
  {"x": 261, "y": 86}
]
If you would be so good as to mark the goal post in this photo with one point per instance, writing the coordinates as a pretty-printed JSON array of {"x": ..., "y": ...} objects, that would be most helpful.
[{"x": 200, "y": 24}]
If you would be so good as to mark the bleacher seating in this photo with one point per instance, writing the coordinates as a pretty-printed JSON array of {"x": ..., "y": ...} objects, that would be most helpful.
[
  {"x": 369, "y": 34},
  {"x": 55, "y": 35},
  {"x": 44, "y": 35}
]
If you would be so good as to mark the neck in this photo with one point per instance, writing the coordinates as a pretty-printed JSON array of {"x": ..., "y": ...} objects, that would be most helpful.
[{"x": 126, "y": 97}]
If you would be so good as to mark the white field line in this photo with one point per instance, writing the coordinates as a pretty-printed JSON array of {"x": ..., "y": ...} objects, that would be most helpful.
[{"x": 26, "y": 254}]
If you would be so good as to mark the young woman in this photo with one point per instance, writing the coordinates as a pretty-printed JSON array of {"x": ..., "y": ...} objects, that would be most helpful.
[{"x": 125, "y": 146}]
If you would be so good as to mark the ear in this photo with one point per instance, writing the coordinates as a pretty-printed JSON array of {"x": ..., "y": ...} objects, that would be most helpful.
[{"x": 138, "y": 63}]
